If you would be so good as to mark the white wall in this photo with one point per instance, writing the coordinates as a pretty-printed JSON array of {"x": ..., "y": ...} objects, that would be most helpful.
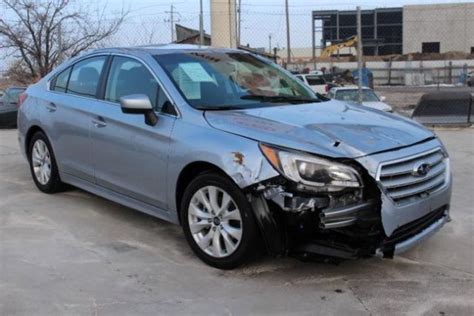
[{"x": 450, "y": 24}]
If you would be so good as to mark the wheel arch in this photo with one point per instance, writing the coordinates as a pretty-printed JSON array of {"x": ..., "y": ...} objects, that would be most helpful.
[
  {"x": 29, "y": 135},
  {"x": 189, "y": 172}
]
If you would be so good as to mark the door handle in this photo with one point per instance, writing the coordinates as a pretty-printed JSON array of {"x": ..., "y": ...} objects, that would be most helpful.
[
  {"x": 51, "y": 107},
  {"x": 99, "y": 122}
]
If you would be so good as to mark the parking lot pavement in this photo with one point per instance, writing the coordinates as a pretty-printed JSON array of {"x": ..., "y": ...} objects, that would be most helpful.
[{"x": 77, "y": 254}]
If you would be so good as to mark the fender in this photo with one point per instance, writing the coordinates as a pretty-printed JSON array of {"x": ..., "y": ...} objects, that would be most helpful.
[{"x": 273, "y": 235}]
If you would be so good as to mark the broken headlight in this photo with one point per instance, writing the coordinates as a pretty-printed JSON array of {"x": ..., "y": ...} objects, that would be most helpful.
[{"x": 326, "y": 175}]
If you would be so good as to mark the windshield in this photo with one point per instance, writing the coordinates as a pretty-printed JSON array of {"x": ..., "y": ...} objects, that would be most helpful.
[
  {"x": 352, "y": 95},
  {"x": 231, "y": 80}
]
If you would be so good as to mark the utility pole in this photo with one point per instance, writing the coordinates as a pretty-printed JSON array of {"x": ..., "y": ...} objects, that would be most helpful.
[
  {"x": 236, "y": 24},
  {"x": 171, "y": 23},
  {"x": 239, "y": 21},
  {"x": 270, "y": 43},
  {"x": 359, "y": 54},
  {"x": 171, "y": 20},
  {"x": 288, "y": 46},
  {"x": 313, "y": 39},
  {"x": 201, "y": 26}
]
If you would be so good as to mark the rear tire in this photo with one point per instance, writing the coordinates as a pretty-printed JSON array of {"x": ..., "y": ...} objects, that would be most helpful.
[
  {"x": 218, "y": 221},
  {"x": 43, "y": 165}
]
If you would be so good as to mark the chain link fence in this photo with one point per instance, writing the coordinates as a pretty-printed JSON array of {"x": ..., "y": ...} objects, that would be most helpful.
[{"x": 419, "y": 47}]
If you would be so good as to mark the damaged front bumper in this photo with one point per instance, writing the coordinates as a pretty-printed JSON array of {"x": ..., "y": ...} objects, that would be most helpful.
[
  {"x": 422, "y": 233},
  {"x": 356, "y": 223}
]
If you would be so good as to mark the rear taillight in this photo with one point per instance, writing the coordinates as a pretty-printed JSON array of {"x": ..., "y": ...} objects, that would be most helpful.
[
  {"x": 327, "y": 88},
  {"x": 21, "y": 98}
]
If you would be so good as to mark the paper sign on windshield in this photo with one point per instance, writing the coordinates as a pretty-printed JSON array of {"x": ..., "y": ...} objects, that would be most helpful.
[{"x": 196, "y": 72}]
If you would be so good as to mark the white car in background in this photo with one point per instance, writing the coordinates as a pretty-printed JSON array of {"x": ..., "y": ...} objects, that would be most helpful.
[
  {"x": 316, "y": 72},
  {"x": 369, "y": 97},
  {"x": 316, "y": 82}
]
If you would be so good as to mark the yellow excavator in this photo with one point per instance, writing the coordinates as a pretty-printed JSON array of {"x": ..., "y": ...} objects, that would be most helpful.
[{"x": 349, "y": 42}]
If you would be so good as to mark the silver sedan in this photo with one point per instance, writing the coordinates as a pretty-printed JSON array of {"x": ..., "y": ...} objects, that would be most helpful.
[{"x": 236, "y": 150}]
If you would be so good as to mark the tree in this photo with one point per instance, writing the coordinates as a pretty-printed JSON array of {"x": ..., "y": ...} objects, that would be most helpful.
[{"x": 41, "y": 33}]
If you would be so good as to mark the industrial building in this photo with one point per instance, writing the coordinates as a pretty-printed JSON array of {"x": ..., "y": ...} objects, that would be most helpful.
[{"x": 436, "y": 28}]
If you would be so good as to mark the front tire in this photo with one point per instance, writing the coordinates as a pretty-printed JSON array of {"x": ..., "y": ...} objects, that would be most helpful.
[
  {"x": 43, "y": 165},
  {"x": 218, "y": 221}
]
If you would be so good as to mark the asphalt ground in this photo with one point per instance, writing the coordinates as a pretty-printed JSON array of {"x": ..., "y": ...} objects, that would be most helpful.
[{"x": 77, "y": 254}]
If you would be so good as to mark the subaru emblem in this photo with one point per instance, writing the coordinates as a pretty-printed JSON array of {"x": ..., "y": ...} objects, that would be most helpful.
[{"x": 421, "y": 169}]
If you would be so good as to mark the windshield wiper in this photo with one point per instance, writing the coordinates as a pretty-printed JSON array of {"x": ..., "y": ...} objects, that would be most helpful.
[{"x": 279, "y": 98}]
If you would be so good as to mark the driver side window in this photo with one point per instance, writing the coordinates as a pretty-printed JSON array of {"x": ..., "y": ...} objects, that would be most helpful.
[{"x": 128, "y": 76}]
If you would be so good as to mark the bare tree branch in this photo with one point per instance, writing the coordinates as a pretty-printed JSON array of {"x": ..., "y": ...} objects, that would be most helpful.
[{"x": 44, "y": 31}]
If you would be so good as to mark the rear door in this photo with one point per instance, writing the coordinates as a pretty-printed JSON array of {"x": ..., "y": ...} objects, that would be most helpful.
[
  {"x": 131, "y": 157},
  {"x": 68, "y": 118}
]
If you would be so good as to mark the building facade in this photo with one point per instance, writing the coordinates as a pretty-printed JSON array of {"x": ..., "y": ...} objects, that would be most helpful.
[
  {"x": 382, "y": 29},
  {"x": 438, "y": 28}
]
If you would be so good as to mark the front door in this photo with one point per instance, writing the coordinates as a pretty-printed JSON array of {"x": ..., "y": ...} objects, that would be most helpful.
[{"x": 131, "y": 157}]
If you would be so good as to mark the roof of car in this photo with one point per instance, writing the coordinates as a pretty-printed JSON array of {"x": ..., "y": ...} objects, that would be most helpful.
[
  {"x": 350, "y": 88},
  {"x": 162, "y": 49}
]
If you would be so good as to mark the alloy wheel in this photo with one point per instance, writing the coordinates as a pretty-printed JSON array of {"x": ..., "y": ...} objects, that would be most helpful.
[
  {"x": 41, "y": 161},
  {"x": 215, "y": 221}
]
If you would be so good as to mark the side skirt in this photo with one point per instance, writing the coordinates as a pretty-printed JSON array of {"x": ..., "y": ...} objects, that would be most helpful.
[{"x": 118, "y": 198}]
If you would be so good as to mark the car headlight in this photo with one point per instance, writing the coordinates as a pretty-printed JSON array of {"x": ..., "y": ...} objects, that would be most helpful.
[
  {"x": 320, "y": 173},
  {"x": 443, "y": 148}
]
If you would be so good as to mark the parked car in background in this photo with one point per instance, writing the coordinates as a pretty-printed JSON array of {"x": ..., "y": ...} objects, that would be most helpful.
[
  {"x": 237, "y": 151},
  {"x": 316, "y": 72},
  {"x": 470, "y": 79},
  {"x": 315, "y": 82},
  {"x": 351, "y": 94},
  {"x": 9, "y": 107}
]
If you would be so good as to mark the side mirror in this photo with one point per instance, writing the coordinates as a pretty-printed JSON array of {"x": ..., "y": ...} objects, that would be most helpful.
[
  {"x": 383, "y": 98},
  {"x": 139, "y": 104}
]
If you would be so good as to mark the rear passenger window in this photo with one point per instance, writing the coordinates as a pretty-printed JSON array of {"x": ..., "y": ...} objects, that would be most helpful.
[
  {"x": 60, "y": 84},
  {"x": 85, "y": 75},
  {"x": 128, "y": 76}
]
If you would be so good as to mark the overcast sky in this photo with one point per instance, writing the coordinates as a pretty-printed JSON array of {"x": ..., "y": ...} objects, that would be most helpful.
[
  {"x": 147, "y": 19},
  {"x": 260, "y": 18}
]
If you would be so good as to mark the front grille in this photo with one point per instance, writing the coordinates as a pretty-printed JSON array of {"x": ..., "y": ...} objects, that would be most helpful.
[{"x": 403, "y": 184}]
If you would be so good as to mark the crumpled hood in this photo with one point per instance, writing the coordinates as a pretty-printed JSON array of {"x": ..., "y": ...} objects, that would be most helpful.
[{"x": 333, "y": 128}]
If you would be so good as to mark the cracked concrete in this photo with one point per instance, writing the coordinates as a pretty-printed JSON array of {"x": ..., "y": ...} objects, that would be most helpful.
[{"x": 77, "y": 254}]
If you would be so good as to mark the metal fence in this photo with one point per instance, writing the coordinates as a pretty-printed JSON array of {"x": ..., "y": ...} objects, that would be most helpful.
[
  {"x": 413, "y": 45},
  {"x": 421, "y": 46},
  {"x": 425, "y": 47}
]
